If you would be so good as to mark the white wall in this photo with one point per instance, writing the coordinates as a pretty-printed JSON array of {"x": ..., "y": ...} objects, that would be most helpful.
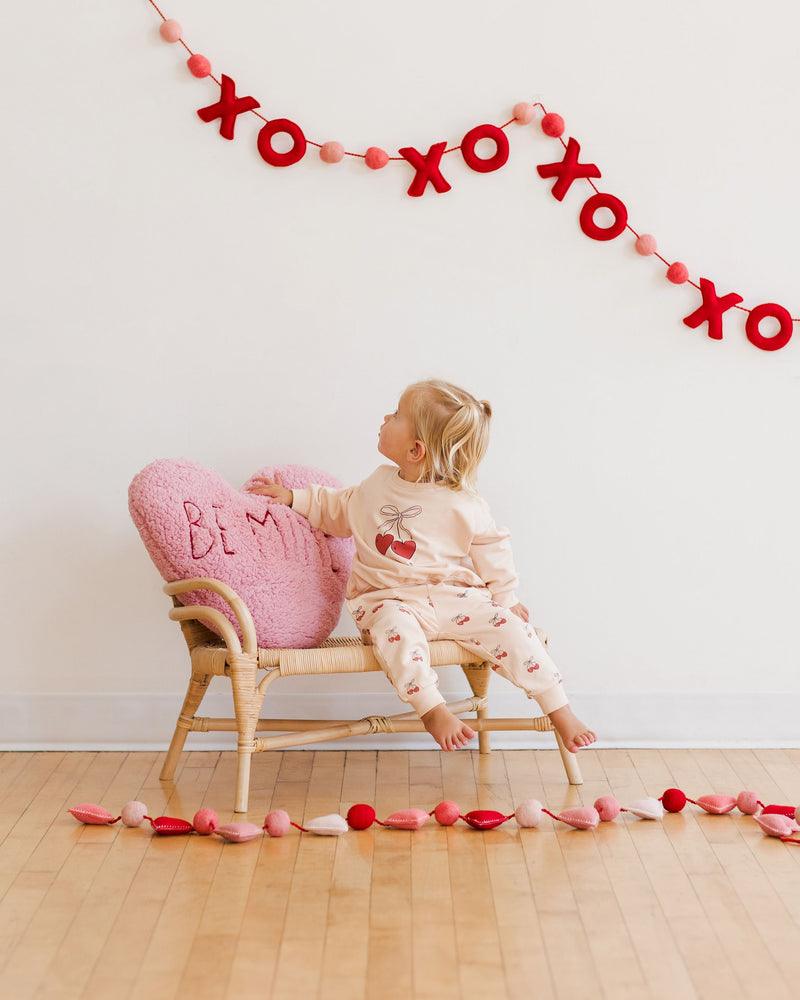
[{"x": 169, "y": 294}]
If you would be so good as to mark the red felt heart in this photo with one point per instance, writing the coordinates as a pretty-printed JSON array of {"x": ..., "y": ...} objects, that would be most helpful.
[
  {"x": 382, "y": 543},
  {"x": 169, "y": 826},
  {"x": 291, "y": 576},
  {"x": 404, "y": 549},
  {"x": 485, "y": 819}
]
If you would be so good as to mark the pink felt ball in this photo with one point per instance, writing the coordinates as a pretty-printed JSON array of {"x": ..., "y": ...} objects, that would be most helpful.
[
  {"x": 360, "y": 816},
  {"x": 747, "y": 803},
  {"x": 677, "y": 273},
  {"x": 133, "y": 813},
  {"x": 199, "y": 66},
  {"x": 673, "y": 800},
  {"x": 446, "y": 813},
  {"x": 524, "y": 112},
  {"x": 646, "y": 245},
  {"x": 205, "y": 821},
  {"x": 608, "y": 807},
  {"x": 331, "y": 152},
  {"x": 376, "y": 158},
  {"x": 529, "y": 814},
  {"x": 553, "y": 125},
  {"x": 277, "y": 823},
  {"x": 170, "y": 30}
]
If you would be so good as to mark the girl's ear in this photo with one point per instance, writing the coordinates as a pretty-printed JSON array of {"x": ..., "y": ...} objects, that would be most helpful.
[{"x": 417, "y": 452}]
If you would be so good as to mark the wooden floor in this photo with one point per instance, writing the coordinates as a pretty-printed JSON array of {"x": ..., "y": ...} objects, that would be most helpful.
[{"x": 694, "y": 906}]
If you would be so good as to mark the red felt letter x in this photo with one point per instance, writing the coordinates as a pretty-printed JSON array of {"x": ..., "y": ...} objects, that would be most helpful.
[
  {"x": 228, "y": 107},
  {"x": 427, "y": 168},
  {"x": 567, "y": 170},
  {"x": 712, "y": 309}
]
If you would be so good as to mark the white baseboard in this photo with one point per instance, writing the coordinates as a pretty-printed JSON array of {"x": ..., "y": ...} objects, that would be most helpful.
[{"x": 119, "y": 721}]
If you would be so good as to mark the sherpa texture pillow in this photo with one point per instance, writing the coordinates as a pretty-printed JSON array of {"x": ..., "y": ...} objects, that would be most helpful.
[{"x": 291, "y": 576}]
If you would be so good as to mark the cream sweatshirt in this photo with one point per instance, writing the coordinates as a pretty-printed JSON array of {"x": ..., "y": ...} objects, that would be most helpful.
[{"x": 407, "y": 534}]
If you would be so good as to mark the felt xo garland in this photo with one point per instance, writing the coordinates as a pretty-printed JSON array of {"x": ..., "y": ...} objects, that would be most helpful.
[
  {"x": 428, "y": 175},
  {"x": 775, "y": 821}
]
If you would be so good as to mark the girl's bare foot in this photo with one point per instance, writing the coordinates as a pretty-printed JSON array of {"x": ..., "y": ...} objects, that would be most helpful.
[
  {"x": 449, "y": 732},
  {"x": 575, "y": 735}
]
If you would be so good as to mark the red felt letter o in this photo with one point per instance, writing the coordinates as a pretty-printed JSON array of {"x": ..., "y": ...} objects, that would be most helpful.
[
  {"x": 603, "y": 201},
  {"x": 475, "y": 162},
  {"x": 298, "y": 150},
  {"x": 781, "y": 338}
]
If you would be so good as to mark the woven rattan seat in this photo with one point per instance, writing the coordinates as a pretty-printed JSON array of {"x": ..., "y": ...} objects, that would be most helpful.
[{"x": 252, "y": 670}]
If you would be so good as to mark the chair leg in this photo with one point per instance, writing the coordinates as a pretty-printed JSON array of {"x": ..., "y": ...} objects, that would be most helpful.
[
  {"x": 247, "y": 701},
  {"x": 198, "y": 685},
  {"x": 570, "y": 761},
  {"x": 478, "y": 676}
]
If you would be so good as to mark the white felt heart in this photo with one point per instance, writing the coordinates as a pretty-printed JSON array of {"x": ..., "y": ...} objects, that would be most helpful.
[
  {"x": 327, "y": 826},
  {"x": 646, "y": 808},
  {"x": 292, "y": 577}
]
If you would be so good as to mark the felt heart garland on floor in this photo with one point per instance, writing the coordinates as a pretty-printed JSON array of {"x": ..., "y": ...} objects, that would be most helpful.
[
  {"x": 428, "y": 177},
  {"x": 775, "y": 821}
]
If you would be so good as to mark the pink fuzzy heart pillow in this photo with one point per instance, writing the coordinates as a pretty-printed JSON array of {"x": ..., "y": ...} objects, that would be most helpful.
[{"x": 291, "y": 576}]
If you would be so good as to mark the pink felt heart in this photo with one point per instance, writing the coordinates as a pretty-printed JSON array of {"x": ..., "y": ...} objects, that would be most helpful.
[
  {"x": 717, "y": 804},
  {"x": 407, "y": 819},
  {"x": 88, "y": 812},
  {"x": 238, "y": 833},
  {"x": 776, "y": 825},
  {"x": 583, "y": 818},
  {"x": 291, "y": 576}
]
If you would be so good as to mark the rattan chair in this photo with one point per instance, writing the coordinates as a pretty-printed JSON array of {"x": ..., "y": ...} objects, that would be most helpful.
[{"x": 242, "y": 661}]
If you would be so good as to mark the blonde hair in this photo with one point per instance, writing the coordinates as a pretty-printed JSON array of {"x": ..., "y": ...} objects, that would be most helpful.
[{"x": 454, "y": 427}]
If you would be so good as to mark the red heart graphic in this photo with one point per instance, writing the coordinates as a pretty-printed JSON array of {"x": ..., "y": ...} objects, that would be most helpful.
[
  {"x": 382, "y": 543},
  {"x": 404, "y": 549}
]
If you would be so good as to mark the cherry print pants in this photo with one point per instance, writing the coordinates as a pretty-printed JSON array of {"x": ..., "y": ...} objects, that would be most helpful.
[{"x": 400, "y": 623}]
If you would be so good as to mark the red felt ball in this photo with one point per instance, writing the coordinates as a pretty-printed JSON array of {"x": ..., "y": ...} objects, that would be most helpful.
[
  {"x": 170, "y": 30},
  {"x": 205, "y": 821},
  {"x": 376, "y": 158},
  {"x": 446, "y": 813},
  {"x": 199, "y": 66},
  {"x": 553, "y": 125},
  {"x": 646, "y": 245},
  {"x": 673, "y": 800},
  {"x": 677, "y": 273},
  {"x": 360, "y": 816}
]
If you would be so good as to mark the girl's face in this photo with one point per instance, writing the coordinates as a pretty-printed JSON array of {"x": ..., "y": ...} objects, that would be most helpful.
[{"x": 396, "y": 437}]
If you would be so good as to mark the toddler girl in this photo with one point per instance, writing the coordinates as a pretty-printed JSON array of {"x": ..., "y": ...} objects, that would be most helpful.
[{"x": 430, "y": 563}]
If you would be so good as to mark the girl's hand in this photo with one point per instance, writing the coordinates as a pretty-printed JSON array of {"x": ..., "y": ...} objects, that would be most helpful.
[
  {"x": 521, "y": 612},
  {"x": 274, "y": 490}
]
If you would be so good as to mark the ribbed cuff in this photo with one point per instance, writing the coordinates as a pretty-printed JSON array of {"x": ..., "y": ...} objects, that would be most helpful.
[
  {"x": 427, "y": 699},
  {"x": 551, "y": 699}
]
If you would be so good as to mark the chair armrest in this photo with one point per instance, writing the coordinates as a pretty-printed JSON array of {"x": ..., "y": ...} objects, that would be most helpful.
[{"x": 231, "y": 598}]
